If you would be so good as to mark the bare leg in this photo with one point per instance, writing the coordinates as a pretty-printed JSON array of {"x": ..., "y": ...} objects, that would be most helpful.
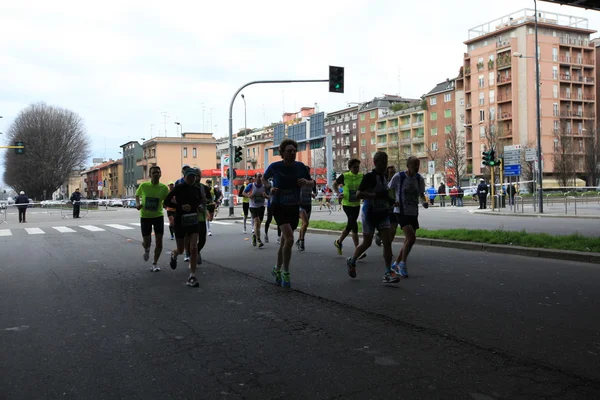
[
  {"x": 285, "y": 248},
  {"x": 410, "y": 238},
  {"x": 193, "y": 246},
  {"x": 158, "y": 246}
]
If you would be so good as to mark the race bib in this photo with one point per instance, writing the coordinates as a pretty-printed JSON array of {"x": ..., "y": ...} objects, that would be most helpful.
[
  {"x": 352, "y": 196},
  {"x": 381, "y": 204},
  {"x": 151, "y": 204},
  {"x": 189, "y": 220},
  {"x": 258, "y": 198},
  {"x": 287, "y": 197}
]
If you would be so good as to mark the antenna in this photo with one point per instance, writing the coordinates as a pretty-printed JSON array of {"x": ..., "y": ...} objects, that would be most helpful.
[
  {"x": 165, "y": 116},
  {"x": 399, "y": 82}
]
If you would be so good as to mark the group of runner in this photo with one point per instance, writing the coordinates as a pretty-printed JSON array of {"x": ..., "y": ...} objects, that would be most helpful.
[{"x": 286, "y": 191}]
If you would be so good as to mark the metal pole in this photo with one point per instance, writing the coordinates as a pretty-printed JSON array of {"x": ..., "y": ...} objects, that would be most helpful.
[
  {"x": 231, "y": 211},
  {"x": 245, "y": 133},
  {"x": 539, "y": 117}
]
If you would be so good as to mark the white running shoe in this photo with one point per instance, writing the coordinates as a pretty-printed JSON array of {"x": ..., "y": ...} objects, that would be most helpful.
[
  {"x": 186, "y": 257},
  {"x": 209, "y": 233},
  {"x": 155, "y": 268}
]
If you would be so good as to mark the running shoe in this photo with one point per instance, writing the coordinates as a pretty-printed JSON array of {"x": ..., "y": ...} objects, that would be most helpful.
[
  {"x": 377, "y": 239},
  {"x": 403, "y": 269},
  {"x": 285, "y": 280},
  {"x": 298, "y": 244},
  {"x": 209, "y": 233},
  {"x": 301, "y": 245},
  {"x": 338, "y": 246},
  {"x": 254, "y": 240},
  {"x": 351, "y": 267},
  {"x": 172, "y": 237},
  {"x": 146, "y": 255},
  {"x": 244, "y": 231},
  {"x": 363, "y": 255},
  {"x": 266, "y": 238},
  {"x": 192, "y": 282},
  {"x": 173, "y": 262},
  {"x": 277, "y": 275},
  {"x": 395, "y": 268},
  {"x": 186, "y": 257},
  {"x": 155, "y": 268},
  {"x": 390, "y": 277},
  {"x": 260, "y": 243}
]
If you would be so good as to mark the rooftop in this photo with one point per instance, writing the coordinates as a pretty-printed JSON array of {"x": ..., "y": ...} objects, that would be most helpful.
[{"x": 447, "y": 85}]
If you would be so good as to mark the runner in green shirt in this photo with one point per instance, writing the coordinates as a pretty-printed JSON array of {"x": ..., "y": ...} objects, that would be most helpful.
[{"x": 149, "y": 198}]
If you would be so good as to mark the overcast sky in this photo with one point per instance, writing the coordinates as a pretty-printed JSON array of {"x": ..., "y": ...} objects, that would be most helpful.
[{"x": 121, "y": 64}]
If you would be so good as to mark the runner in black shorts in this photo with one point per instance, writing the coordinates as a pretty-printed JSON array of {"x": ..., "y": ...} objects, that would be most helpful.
[
  {"x": 306, "y": 196},
  {"x": 257, "y": 194},
  {"x": 350, "y": 181}
]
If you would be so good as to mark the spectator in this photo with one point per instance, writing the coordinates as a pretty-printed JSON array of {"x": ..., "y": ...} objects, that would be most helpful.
[
  {"x": 453, "y": 196},
  {"x": 432, "y": 193},
  {"x": 442, "y": 194},
  {"x": 459, "y": 198},
  {"x": 22, "y": 203},
  {"x": 76, "y": 200},
  {"x": 511, "y": 191}
]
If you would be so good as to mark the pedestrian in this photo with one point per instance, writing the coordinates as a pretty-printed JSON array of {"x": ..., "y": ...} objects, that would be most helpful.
[
  {"x": 350, "y": 202},
  {"x": 288, "y": 176},
  {"x": 375, "y": 216},
  {"x": 22, "y": 203},
  {"x": 149, "y": 199},
  {"x": 511, "y": 191},
  {"x": 306, "y": 196},
  {"x": 442, "y": 194},
  {"x": 257, "y": 195},
  {"x": 171, "y": 214},
  {"x": 76, "y": 201},
  {"x": 460, "y": 196},
  {"x": 432, "y": 193},
  {"x": 482, "y": 192},
  {"x": 453, "y": 196},
  {"x": 190, "y": 200},
  {"x": 409, "y": 187}
]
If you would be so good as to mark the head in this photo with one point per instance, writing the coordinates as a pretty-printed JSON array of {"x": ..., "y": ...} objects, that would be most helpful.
[
  {"x": 21, "y": 192},
  {"x": 208, "y": 182},
  {"x": 216, "y": 187},
  {"x": 171, "y": 185},
  {"x": 184, "y": 168},
  {"x": 354, "y": 165},
  {"x": 287, "y": 150},
  {"x": 412, "y": 166},
  {"x": 198, "y": 175},
  {"x": 390, "y": 171},
  {"x": 380, "y": 159},
  {"x": 258, "y": 177},
  {"x": 482, "y": 180},
  {"x": 189, "y": 176},
  {"x": 155, "y": 173},
  {"x": 250, "y": 180}
]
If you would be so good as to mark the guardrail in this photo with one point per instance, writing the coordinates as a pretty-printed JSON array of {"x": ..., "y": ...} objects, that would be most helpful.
[
  {"x": 568, "y": 202},
  {"x": 515, "y": 204}
]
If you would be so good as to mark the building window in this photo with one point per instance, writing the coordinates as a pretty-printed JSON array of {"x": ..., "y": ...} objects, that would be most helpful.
[
  {"x": 482, "y": 131},
  {"x": 555, "y": 91},
  {"x": 556, "y": 124},
  {"x": 481, "y": 81},
  {"x": 362, "y": 117},
  {"x": 434, "y": 116},
  {"x": 554, "y": 54},
  {"x": 363, "y": 155},
  {"x": 354, "y": 150},
  {"x": 555, "y": 72},
  {"x": 481, "y": 98},
  {"x": 462, "y": 102},
  {"x": 354, "y": 125},
  {"x": 194, "y": 153},
  {"x": 363, "y": 142},
  {"x": 481, "y": 115},
  {"x": 433, "y": 101},
  {"x": 491, "y": 78},
  {"x": 372, "y": 128},
  {"x": 492, "y": 96},
  {"x": 434, "y": 146},
  {"x": 448, "y": 129},
  {"x": 447, "y": 97},
  {"x": 354, "y": 138},
  {"x": 433, "y": 131},
  {"x": 185, "y": 152},
  {"x": 363, "y": 129},
  {"x": 372, "y": 115},
  {"x": 372, "y": 140},
  {"x": 492, "y": 113},
  {"x": 448, "y": 113}
]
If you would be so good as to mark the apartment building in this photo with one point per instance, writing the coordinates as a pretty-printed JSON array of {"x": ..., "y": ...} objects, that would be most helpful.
[
  {"x": 342, "y": 125},
  {"x": 132, "y": 151},
  {"x": 256, "y": 147},
  {"x": 500, "y": 85},
  {"x": 103, "y": 180}
]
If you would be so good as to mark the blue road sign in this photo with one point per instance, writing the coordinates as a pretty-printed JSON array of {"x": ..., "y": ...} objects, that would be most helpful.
[
  {"x": 512, "y": 170},
  {"x": 225, "y": 182}
]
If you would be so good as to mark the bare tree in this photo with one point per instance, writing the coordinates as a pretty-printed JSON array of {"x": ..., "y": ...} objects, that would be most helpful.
[
  {"x": 397, "y": 157},
  {"x": 55, "y": 144},
  {"x": 366, "y": 164},
  {"x": 455, "y": 155},
  {"x": 563, "y": 156},
  {"x": 591, "y": 161}
]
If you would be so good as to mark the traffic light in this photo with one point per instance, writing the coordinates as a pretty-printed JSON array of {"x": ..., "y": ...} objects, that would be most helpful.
[
  {"x": 499, "y": 162},
  {"x": 229, "y": 174},
  {"x": 21, "y": 150},
  {"x": 334, "y": 175},
  {"x": 238, "y": 153},
  {"x": 336, "y": 79},
  {"x": 488, "y": 158}
]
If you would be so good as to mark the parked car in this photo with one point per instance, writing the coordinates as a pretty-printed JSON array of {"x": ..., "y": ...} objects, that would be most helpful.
[{"x": 115, "y": 203}]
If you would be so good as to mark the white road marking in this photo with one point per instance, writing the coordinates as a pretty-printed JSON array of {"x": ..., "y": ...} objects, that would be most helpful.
[
  {"x": 136, "y": 223},
  {"x": 35, "y": 231},
  {"x": 91, "y": 228},
  {"x": 63, "y": 229},
  {"x": 5, "y": 232},
  {"x": 221, "y": 223},
  {"x": 117, "y": 226}
]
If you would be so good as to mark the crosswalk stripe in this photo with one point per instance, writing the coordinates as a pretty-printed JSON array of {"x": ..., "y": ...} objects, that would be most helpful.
[
  {"x": 221, "y": 223},
  {"x": 34, "y": 231},
  {"x": 63, "y": 229},
  {"x": 135, "y": 223},
  {"x": 5, "y": 232},
  {"x": 91, "y": 228},
  {"x": 117, "y": 226}
]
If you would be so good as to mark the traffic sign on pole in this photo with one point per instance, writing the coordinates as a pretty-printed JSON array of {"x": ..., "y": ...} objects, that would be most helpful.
[{"x": 512, "y": 170}]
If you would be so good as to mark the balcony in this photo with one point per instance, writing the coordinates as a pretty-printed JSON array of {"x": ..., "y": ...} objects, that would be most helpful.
[
  {"x": 382, "y": 131},
  {"x": 503, "y": 62},
  {"x": 468, "y": 106},
  {"x": 381, "y": 145},
  {"x": 405, "y": 139},
  {"x": 504, "y": 116},
  {"x": 504, "y": 79},
  {"x": 418, "y": 139},
  {"x": 503, "y": 98},
  {"x": 571, "y": 114},
  {"x": 469, "y": 135},
  {"x": 353, "y": 117},
  {"x": 419, "y": 154},
  {"x": 500, "y": 44},
  {"x": 393, "y": 128},
  {"x": 589, "y": 97},
  {"x": 346, "y": 144},
  {"x": 575, "y": 42},
  {"x": 564, "y": 77},
  {"x": 589, "y": 61},
  {"x": 345, "y": 131},
  {"x": 583, "y": 79},
  {"x": 418, "y": 124},
  {"x": 405, "y": 126}
]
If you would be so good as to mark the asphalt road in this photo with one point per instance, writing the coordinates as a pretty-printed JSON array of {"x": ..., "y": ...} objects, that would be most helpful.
[{"x": 83, "y": 317}]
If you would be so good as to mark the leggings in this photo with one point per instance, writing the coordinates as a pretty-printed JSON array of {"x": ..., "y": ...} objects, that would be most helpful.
[{"x": 352, "y": 214}]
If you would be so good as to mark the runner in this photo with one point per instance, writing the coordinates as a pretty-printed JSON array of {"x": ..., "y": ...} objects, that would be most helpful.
[
  {"x": 256, "y": 193},
  {"x": 409, "y": 187},
  {"x": 149, "y": 199},
  {"x": 245, "y": 201},
  {"x": 202, "y": 215},
  {"x": 269, "y": 218},
  {"x": 288, "y": 176},
  {"x": 390, "y": 172},
  {"x": 190, "y": 200},
  {"x": 182, "y": 179},
  {"x": 171, "y": 214},
  {"x": 210, "y": 206},
  {"x": 217, "y": 198},
  {"x": 375, "y": 216},
  {"x": 306, "y": 196},
  {"x": 351, "y": 204}
]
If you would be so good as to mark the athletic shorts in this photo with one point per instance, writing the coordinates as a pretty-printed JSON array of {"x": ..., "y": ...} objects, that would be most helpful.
[
  {"x": 405, "y": 220},
  {"x": 369, "y": 225},
  {"x": 147, "y": 224},
  {"x": 286, "y": 215},
  {"x": 181, "y": 231},
  {"x": 307, "y": 209},
  {"x": 257, "y": 212},
  {"x": 352, "y": 213}
]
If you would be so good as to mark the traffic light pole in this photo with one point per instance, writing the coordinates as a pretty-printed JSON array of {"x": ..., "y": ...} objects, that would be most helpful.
[{"x": 231, "y": 154}]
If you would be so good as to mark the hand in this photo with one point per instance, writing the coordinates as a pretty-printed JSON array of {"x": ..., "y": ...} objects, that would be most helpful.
[
  {"x": 186, "y": 207},
  {"x": 138, "y": 206},
  {"x": 274, "y": 190},
  {"x": 425, "y": 204},
  {"x": 302, "y": 182}
]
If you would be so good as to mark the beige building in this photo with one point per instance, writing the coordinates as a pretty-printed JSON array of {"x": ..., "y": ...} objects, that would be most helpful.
[
  {"x": 170, "y": 154},
  {"x": 500, "y": 87}
]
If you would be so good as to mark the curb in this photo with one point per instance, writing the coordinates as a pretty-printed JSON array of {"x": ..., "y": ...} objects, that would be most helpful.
[
  {"x": 517, "y": 214},
  {"x": 567, "y": 255}
]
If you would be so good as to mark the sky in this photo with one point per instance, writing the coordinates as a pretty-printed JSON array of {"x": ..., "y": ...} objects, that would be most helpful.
[{"x": 131, "y": 69}]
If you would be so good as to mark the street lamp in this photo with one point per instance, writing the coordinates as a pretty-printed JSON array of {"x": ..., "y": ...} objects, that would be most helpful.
[
  {"x": 245, "y": 133},
  {"x": 181, "y": 141}
]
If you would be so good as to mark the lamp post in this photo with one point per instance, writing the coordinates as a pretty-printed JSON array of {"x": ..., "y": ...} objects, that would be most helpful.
[
  {"x": 245, "y": 133},
  {"x": 180, "y": 141}
]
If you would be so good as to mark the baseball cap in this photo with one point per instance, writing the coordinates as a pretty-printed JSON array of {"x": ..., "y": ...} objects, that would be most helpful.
[
  {"x": 22, "y": 192},
  {"x": 482, "y": 180},
  {"x": 185, "y": 166},
  {"x": 190, "y": 171}
]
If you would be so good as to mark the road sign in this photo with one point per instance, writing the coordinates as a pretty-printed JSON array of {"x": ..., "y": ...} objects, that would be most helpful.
[
  {"x": 431, "y": 167},
  {"x": 511, "y": 148},
  {"x": 97, "y": 160},
  {"x": 225, "y": 182},
  {"x": 512, "y": 170},
  {"x": 99, "y": 183},
  {"x": 99, "y": 188},
  {"x": 512, "y": 157},
  {"x": 531, "y": 154}
]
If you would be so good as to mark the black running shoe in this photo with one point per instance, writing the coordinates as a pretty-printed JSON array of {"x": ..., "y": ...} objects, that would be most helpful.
[
  {"x": 173, "y": 262},
  {"x": 192, "y": 282}
]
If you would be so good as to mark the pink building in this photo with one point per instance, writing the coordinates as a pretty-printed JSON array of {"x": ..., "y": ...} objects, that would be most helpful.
[{"x": 500, "y": 85}]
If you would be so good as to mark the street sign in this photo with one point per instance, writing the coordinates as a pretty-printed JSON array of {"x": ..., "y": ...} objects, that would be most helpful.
[
  {"x": 531, "y": 154},
  {"x": 100, "y": 183},
  {"x": 512, "y": 170},
  {"x": 512, "y": 157},
  {"x": 97, "y": 160},
  {"x": 431, "y": 167},
  {"x": 513, "y": 147},
  {"x": 99, "y": 188},
  {"x": 225, "y": 182}
]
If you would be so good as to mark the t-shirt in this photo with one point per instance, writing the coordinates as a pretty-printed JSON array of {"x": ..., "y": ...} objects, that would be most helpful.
[
  {"x": 186, "y": 194},
  {"x": 409, "y": 193},
  {"x": 379, "y": 207},
  {"x": 285, "y": 179},
  {"x": 256, "y": 195},
  {"x": 152, "y": 198},
  {"x": 242, "y": 190}
]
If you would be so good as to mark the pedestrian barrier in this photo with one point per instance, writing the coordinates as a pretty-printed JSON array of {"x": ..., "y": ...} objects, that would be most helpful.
[
  {"x": 568, "y": 202},
  {"x": 66, "y": 209},
  {"x": 3, "y": 215},
  {"x": 515, "y": 204}
]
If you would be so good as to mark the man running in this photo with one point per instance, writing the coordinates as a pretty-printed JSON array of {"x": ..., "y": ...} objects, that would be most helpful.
[
  {"x": 269, "y": 218},
  {"x": 288, "y": 176},
  {"x": 190, "y": 200},
  {"x": 171, "y": 214},
  {"x": 210, "y": 206},
  {"x": 182, "y": 179},
  {"x": 375, "y": 216},
  {"x": 202, "y": 215},
  {"x": 257, "y": 195},
  {"x": 149, "y": 198},
  {"x": 245, "y": 201},
  {"x": 409, "y": 187},
  {"x": 306, "y": 196},
  {"x": 350, "y": 202}
]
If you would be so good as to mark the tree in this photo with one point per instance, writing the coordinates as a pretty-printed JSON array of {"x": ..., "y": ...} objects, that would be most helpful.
[
  {"x": 398, "y": 107},
  {"x": 563, "y": 156},
  {"x": 591, "y": 161},
  {"x": 397, "y": 157},
  {"x": 55, "y": 144},
  {"x": 455, "y": 154}
]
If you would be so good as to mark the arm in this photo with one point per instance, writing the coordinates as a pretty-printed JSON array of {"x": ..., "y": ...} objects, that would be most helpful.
[
  {"x": 169, "y": 199},
  {"x": 367, "y": 184},
  {"x": 138, "y": 203}
]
